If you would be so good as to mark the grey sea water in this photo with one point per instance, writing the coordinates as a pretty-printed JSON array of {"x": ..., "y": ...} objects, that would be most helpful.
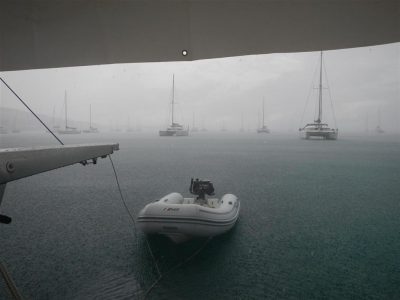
[{"x": 319, "y": 219}]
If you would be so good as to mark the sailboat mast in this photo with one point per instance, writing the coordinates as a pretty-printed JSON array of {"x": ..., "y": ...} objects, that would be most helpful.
[
  {"x": 263, "y": 114},
  {"x": 320, "y": 93},
  {"x": 65, "y": 103},
  {"x": 173, "y": 96},
  {"x": 90, "y": 116},
  {"x": 379, "y": 118}
]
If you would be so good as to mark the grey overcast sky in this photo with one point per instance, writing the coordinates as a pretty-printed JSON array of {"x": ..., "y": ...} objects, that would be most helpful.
[{"x": 362, "y": 81}]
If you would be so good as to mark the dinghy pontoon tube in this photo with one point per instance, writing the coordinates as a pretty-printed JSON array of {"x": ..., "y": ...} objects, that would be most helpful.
[{"x": 182, "y": 218}]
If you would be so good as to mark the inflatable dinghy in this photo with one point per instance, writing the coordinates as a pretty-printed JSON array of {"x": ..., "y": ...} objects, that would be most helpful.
[{"x": 181, "y": 218}]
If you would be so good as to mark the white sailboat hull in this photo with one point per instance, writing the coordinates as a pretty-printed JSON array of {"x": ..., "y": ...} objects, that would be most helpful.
[{"x": 181, "y": 219}]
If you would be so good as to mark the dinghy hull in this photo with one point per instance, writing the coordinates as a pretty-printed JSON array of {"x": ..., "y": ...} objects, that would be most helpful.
[{"x": 181, "y": 219}]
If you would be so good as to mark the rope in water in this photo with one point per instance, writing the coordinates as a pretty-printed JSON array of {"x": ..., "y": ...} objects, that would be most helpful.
[
  {"x": 10, "y": 283},
  {"x": 122, "y": 197},
  {"x": 132, "y": 218}
]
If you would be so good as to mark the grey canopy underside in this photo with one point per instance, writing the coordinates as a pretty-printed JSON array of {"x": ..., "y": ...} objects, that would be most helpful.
[{"x": 64, "y": 33}]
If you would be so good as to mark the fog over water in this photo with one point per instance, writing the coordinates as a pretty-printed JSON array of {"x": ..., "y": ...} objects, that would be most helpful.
[{"x": 362, "y": 82}]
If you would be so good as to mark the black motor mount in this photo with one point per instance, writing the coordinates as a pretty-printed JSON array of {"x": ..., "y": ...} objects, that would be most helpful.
[{"x": 201, "y": 188}]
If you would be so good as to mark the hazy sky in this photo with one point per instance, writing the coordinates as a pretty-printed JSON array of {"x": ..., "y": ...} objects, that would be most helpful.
[{"x": 362, "y": 81}]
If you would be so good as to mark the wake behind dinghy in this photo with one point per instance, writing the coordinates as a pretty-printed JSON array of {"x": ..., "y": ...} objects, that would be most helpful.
[{"x": 181, "y": 218}]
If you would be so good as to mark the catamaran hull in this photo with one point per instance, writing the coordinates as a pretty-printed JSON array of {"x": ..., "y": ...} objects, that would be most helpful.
[
  {"x": 174, "y": 133},
  {"x": 320, "y": 135},
  {"x": 181, "y": 222}
]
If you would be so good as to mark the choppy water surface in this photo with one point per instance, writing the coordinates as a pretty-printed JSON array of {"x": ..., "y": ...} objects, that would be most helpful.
[{"x": 319, "y": 219}]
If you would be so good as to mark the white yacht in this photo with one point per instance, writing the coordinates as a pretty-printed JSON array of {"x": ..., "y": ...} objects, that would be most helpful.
[
  {"x": 318, "y": 129},
  {"x": 181, "y": 219},
  {"x": 175, "y": 129}
]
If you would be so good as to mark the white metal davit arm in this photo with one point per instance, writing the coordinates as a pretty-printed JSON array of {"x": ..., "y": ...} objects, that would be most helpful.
[{"x": 17, "y": 163}]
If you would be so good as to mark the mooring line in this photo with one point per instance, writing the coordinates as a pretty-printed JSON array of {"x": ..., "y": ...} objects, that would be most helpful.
[
  {"x": 122, "y": 197},
  {"x": 133, "y": 219}
]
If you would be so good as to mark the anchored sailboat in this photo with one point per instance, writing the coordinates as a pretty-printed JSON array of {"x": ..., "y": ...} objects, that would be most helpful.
[
  {"x": 319, "y": 129},
  {"x": 68, "y": 129},
  {"x": 378, "y": 128},
  {"x": 91, "y": 128},
  {"x": 263, "y": 128},
  {"x": 175, "y": 129}
]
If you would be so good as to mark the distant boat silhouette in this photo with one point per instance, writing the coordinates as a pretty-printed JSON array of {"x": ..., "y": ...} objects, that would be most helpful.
[
  {"x": 175, "y": 129},
  {"x": 378, "y": 128},
  {"x": 263, "y": 128},
  {"x": 68, "y": 129},
  {"x": 91, "y": 128}
]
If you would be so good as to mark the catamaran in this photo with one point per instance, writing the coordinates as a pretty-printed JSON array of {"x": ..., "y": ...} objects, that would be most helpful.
[
  {"x": 318, "y": 129},
  {"x": 175, "y": 129},
  {"x": 68, "y": 129}
]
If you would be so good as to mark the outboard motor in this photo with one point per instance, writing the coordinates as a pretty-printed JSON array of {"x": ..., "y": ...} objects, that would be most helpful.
[{"x": 201, "y": 188}]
